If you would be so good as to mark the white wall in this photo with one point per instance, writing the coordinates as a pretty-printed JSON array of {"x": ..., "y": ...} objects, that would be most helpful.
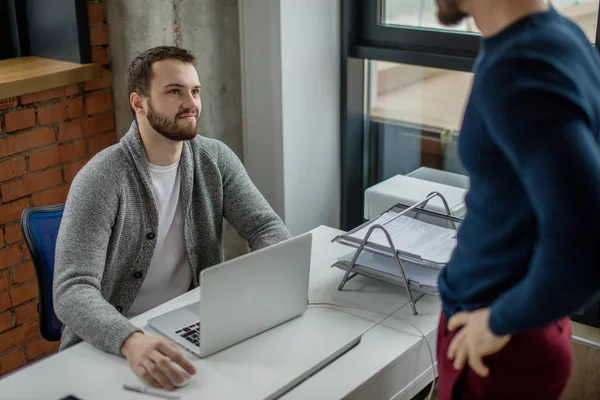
[
  {"x": 262, "y": 97},
  {"x": 291, "y": 101}
]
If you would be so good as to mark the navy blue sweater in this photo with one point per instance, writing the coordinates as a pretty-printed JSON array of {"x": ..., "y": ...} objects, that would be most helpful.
[{"x": 529, "y": 246}]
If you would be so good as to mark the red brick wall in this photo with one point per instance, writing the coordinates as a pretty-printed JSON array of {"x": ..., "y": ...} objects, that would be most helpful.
[{"x": 45, "y": 139}]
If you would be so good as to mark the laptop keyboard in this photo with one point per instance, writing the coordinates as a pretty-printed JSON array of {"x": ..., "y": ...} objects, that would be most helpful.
[{"x": 191, "y": 333}]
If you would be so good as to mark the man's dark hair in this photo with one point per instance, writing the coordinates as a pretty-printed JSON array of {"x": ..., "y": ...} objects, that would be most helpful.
[{"x": 139, "y": 74}]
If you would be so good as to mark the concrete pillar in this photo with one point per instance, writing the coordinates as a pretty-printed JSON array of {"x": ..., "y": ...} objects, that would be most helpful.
[{"x": 210, "y": 30}]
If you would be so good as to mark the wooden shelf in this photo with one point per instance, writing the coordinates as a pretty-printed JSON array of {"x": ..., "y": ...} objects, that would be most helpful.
[
  {"x": 19, "y": 76},
  {"x": 432, "y": 100}
]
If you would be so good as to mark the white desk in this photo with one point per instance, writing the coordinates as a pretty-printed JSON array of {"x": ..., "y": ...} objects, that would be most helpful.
[{"x": 391, "y": 360}]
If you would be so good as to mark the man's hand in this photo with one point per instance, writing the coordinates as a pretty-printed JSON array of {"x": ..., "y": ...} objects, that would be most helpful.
[
  {"x": 152, "y": 359},
  {"x": 474, "y": 341}
]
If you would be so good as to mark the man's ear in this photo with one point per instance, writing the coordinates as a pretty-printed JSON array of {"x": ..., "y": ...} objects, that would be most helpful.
[{"x": 136, "y": 101}]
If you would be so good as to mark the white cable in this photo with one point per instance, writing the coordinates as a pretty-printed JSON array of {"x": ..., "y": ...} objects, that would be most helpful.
[{"x": 343, "y": 308}]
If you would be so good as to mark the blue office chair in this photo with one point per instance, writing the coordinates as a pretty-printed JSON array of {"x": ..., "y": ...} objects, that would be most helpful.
[{"x": 40, "y": 229}]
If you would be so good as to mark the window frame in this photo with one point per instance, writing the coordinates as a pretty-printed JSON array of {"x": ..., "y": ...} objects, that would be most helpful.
[
  {"x": 377, "y": 36},
  {"x": 364, "y": 37}
]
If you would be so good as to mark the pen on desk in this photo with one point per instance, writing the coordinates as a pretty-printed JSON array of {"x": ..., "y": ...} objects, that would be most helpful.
[{"x": 151, "y": 392}]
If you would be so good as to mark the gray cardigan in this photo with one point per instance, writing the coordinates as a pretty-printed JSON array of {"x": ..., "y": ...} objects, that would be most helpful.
[{"x": 108, "y": 231}]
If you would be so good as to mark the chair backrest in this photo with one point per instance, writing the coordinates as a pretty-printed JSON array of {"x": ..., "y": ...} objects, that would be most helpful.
[{"x": 40, "y": 229}]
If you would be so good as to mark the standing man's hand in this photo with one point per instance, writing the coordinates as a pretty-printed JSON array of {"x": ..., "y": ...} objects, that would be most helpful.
[
  {"x": 152, "y": 359},
  {"x": 474, "y": 341}
]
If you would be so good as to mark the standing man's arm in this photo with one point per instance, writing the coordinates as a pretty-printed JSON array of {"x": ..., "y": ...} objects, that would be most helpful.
[
  {"x": 543, "y": 129},
  {"x": 536, "y": 118},
  {"x": 245, "y": 207}
]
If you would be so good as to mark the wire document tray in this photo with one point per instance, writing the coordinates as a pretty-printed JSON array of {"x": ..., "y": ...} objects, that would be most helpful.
[{"x": 402, "y": 259}]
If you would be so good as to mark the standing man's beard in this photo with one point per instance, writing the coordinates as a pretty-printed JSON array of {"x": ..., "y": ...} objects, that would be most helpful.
[
  {"x": 170, "y": 128},
  {"x": 449, "y": 12}
]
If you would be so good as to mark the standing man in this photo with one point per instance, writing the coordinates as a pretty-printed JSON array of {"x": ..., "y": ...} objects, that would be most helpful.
[
  {"x": 145, "y": 216},
  {"x": 528, "y": 252}
]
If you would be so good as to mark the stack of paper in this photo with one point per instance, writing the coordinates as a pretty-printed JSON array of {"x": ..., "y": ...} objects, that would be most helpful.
[
  {"x": 429, "y": 242},
  {"x": 416, "y": 274}
]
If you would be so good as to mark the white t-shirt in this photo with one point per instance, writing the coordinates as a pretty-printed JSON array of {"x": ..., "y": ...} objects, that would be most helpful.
[{"x": 169, "y": 274}]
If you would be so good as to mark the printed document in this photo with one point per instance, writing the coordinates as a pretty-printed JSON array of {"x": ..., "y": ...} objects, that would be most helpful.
[
  {"x": 430, "y": 242},
  {"x": 422, "y": 275}
]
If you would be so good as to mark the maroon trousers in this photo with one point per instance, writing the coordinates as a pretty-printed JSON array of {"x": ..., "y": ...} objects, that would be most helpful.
[{"x": 536, "y": 364}]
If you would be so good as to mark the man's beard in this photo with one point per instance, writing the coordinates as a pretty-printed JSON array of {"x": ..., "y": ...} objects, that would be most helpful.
[
  {"x": 449, "y": 12},
  {"x": 169, "y": 127}
]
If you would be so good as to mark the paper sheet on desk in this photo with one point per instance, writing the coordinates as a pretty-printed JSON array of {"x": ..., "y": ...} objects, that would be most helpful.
[
  {"x": 422, "y": 275},
  {"x": 430, "y": 242}
]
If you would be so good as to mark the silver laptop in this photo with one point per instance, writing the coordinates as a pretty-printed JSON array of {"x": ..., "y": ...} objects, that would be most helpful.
[{"x": 242, "y": 298}]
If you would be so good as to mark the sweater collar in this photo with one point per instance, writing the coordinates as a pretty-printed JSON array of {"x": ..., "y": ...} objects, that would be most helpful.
[{"x": 132, "y": 143}]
